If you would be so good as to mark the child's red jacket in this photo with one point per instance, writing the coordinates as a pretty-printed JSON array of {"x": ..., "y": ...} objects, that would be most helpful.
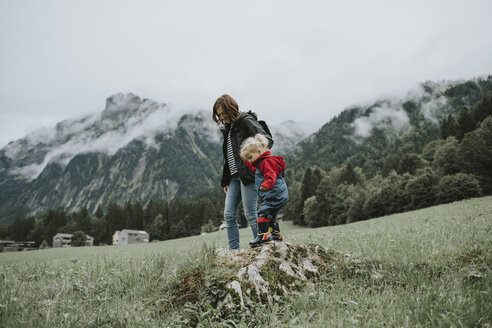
[{"x": 271, "y": 167}]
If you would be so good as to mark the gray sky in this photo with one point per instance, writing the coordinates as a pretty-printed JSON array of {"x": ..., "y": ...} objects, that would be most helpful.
[{"x": 300, "y": 60}]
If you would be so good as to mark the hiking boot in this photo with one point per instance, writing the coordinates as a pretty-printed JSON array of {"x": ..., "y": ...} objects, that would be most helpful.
[
  {"x": 262, "y": 238},
  {"x": 275, "y": 231},
  {"x": 263, "y": 235},
  {"x": 276, "y": 236}
]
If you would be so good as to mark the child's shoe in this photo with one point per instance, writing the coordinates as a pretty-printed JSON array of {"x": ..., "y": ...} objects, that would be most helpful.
[
  {"x": 276, "y": 236},
  {"x": 261, "y": 239},
  {"x": 263, "y": 236},
  {"x": 275, "y": 231}
]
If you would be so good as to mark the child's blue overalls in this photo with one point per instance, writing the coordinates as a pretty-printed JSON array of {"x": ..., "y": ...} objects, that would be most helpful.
[{"x": 274, "y": 199}]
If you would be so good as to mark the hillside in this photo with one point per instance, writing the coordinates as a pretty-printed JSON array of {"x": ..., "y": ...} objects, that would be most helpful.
[
  {"x": 365, "y": 135},
  {"x": 430, "y": 267}
]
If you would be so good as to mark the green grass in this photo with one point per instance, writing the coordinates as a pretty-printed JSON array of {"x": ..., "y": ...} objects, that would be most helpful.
[{"x": 427, "y": 268}]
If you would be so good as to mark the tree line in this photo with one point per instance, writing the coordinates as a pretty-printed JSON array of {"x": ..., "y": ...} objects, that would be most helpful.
[
  {"x": 162, "y": 220},
  {"x": 456, "y": 166}
]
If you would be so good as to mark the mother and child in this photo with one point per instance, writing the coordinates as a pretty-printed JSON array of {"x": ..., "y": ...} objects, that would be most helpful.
[{"x": 250, "y": 172}]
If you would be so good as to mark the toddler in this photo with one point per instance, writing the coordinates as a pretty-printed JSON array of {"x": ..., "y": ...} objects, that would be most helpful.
[{"x": 270, "y": 184}]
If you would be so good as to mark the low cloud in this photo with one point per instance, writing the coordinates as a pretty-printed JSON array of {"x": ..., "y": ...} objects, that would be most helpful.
[
  {"x": 126, "y": 118},
  {"x": 390, "y": 114},
  {"x": 387, "y": 115},
  {"x": 288, "y": 133}
]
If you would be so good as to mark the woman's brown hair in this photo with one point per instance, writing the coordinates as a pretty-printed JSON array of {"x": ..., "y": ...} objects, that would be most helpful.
[{"x": 228, "y": 105}]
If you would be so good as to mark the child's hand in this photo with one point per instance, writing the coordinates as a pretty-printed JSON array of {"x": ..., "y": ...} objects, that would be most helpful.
[{"x": 263, "y": 188}]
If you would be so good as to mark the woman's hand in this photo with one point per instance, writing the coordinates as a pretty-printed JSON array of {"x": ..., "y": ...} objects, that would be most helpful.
[
  {"x": 263, "y": 188},
  {"x": 225, "y": 189}
]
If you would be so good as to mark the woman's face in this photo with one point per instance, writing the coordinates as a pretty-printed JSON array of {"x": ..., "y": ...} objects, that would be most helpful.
[{"x": 224, "y": 118}]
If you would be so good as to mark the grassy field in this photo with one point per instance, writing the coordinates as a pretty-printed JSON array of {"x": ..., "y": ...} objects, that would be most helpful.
[{"x": 427, "y": 268}]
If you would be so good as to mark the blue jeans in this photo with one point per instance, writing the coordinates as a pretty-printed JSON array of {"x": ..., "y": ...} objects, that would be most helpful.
[{"x": 236, "y": 194}]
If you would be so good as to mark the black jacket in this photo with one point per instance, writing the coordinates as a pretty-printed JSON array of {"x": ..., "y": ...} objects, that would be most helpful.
[{"x": 245, "y": 126}]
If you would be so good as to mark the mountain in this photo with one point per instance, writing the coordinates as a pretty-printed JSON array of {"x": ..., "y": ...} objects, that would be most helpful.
[
  {"x": 135, "y": 149},
  {"x": 366, "y": 135}
]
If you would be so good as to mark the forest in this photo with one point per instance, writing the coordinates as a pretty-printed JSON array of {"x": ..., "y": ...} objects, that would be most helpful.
[{"x": 458, "y": 165}]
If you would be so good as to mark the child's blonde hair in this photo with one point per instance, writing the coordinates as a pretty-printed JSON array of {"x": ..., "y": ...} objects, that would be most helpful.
[{"x": 252, "y": 144}]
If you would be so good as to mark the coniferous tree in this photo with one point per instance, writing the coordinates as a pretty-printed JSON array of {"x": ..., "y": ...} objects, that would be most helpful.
[
  {"x": 4, "y": 230},
  {"x": 465, "y": 122},
  {"x": 356, "y": 199},
  {"x": 381, "y": 191},
  {"x": 81, "y": 218},
  {"x": 446, "y": 158},
  {"x": 129, "y": 217},
  {"x": 401, "y": 197},
  {"x": 178, "y": 229},
  {"x": 157, "y": 229},
  {"x": 390, "y": 163},
  {"x": 409, "y": 163},
  {"x": 348, "y": 175},
  {"x": 482, "y": 110},
  {"x": 326, "y": 200},
  {"x": 99, "y": 211},
  {"x": 20, "y": 229},
  {"x": 98, "y": 230},
  {"x": 290, "y": 209},
  {"x": 115, "y": 219},
  {"x": 51, "y": 224},
  {"x": 310, "y": 182},
  {"x": 475, "y": 154},
  {"x": 139, "y": 216},
  {"x": 209, "y": 212},
  {"x": 449, "y": 128},
  {"x": 310, "y": 213},
  {"x": 37, "y": 233}
]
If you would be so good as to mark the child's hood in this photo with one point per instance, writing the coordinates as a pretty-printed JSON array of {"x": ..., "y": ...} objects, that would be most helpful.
[{"x": 268, "y": 154}]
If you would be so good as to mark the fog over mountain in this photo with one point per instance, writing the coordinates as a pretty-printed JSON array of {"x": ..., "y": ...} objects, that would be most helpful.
[
  {"x": 364, "y": 135},
  {"x": 389, "y": 113},
  {"x": 126, "y": 117}
]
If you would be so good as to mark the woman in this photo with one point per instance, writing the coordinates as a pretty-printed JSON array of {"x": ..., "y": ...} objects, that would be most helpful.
[{"x": 238, "y": 180}]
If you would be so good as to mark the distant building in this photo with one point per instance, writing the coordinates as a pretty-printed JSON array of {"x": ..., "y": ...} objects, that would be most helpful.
[
  {"x": 6, "y": 242},
  {"x": 65, "y": 240},
  {"x": 125, "y": 237},
  {"x": 15, "y": 246}
]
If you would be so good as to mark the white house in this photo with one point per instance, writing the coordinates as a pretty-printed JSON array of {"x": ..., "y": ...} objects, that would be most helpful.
[
  {"x": 126, "y": 236},
  {"x": 65, "y": 240}
]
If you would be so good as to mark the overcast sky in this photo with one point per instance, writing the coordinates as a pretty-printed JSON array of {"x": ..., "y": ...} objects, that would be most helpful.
[{"x": 299, "y": 60}]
